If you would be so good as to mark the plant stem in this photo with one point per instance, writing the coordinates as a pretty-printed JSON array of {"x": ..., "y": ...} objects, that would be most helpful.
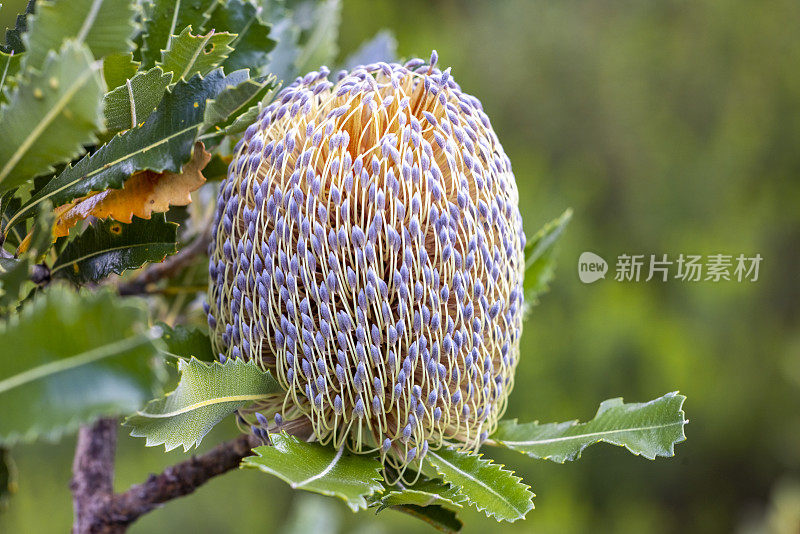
[{"x": 98, "y": 510}]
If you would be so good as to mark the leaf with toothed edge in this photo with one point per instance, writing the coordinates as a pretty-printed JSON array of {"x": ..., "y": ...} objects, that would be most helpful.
[
  {"x": 14, "y": 35},
  {"x": 185, "y": 342},
  {"x": 540, "y": 258},
  {"x": 50, "y": 115},
  {"x": 648, "y": 429},
  {"x": 132, "y": 102},
  {"x": 189, "y": 54},
  {"x": 424, "y": 492},
  {"x": 485, "y": 485},
  {"x": 112, "y": 247},
  {"x": 206, "y": 394},
  {"x": 163, "y": 143},
  {"x": 165, "y": 18},
  {"x": 117, "y": 68},
  {"x": 106, "y": 26},
  {"x": 234, "y": 101},
  {"x": 252, "y": 44},
  {"x": 73, "y": 356},
  {"x": 313, "y": 467}
]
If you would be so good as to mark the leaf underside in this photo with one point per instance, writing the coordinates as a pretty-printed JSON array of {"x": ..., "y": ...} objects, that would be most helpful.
[
  {"x": 648, "y": 429},
  {"x": 540, "y": 257},
  {"x": 206, "y": 394}
]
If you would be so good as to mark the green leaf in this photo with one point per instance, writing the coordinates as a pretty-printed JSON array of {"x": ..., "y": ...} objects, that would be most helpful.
[
  {"x": 319, "y": 44},
  {"x": 163, "y": 143},
  {"x": 424, "y": 492},
  {"x": 487, "y": 486},
  {"x": 9, "y": 67},
  {"x": 14, "y": 282},
  {"x": 73, "y": 357},
  {"x": 165, "y": 18},
  {"x": 14, "y": 35},
  {"x": 112, "y": 247},
  {"x": 189, "y": 54},
  {"x": 206, "y": 394},
  {"x": 252, "y": 43},
  {"x": 649, "y": 429},
  {"x": 106, "y": 26},
  {"x": 233, "y": 102},
  {"x": 15, "y": 273},
  {"x": 438, "y": 517},
  {"x": 8, "y": 478},
  {"x": 284, "y": 55},
  {"x": 312, "y": 467},
  {"x": 50, "y": 116},
  {"x": 540, "y": 258},
  {"x": 119, "y": 68},
  {"x": 185, "y": 342},
  {"x": 382, "y": 47},
  {"x": 130, "y": 104}
]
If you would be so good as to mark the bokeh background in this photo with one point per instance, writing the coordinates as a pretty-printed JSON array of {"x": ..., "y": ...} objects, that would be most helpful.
[{"x": 669, "y": 127}]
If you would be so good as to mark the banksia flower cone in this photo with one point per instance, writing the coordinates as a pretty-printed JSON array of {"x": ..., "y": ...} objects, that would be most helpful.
[{"x": 368, "y": 251}]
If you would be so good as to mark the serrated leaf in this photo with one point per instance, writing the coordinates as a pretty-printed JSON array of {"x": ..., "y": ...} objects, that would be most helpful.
[
  {"x": 8, "y": 477},
  {"x": 252, "y": 44},
  {"x": 486, "y": 485},
  {"x": 105, "y": 26},
  {"x": 206, "y": 394},
  {"x": 14, "y": 35},
  {"x": 186, "y": 342},
  {"x": 424, "y": 492},
  {"x": 312, "y": 467},
  {"x": 39, "y": 238},
  {"x": 165, "y": 18},
  {"x": 189, "y": 54},
  {"x": 111, "y": 247},
  {"x": 144, "y": 193},
  {"x": 540, "y": 259},
  {"x": 233, "y": 102},
  {"x": 50, "y": 116},
  {"x": 162, "y": 144},
  {"x": 438, "y": 517},
  {"x": 74, "y": 356},
  {"x": 118, "y": 68},
  {"x": 649, "y": 429},
  {"x": 382, "y": 47},
  {"x": 130, "y": 104}
]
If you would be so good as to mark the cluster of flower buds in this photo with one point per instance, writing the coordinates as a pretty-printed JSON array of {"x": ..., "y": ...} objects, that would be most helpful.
[{"x": 368, "y": 251}]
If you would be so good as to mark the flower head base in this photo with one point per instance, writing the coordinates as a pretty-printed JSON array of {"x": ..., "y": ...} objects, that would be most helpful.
[{"x": 368, "y": 251}]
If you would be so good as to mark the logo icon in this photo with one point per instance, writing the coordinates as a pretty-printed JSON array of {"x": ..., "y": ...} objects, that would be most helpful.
[{"x": 591, "y": 267}]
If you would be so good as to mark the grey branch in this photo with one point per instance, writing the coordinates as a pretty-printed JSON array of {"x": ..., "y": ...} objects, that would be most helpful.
[{"x": 98, "y": 510}]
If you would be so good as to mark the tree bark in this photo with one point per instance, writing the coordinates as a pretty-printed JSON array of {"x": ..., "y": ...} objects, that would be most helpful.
[
  {"x": 98, "y": 510},
  {"x": 93, "y": 474}
]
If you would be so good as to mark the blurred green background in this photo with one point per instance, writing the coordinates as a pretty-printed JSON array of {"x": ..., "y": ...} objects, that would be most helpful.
[{"x": 669, "y": 127}]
